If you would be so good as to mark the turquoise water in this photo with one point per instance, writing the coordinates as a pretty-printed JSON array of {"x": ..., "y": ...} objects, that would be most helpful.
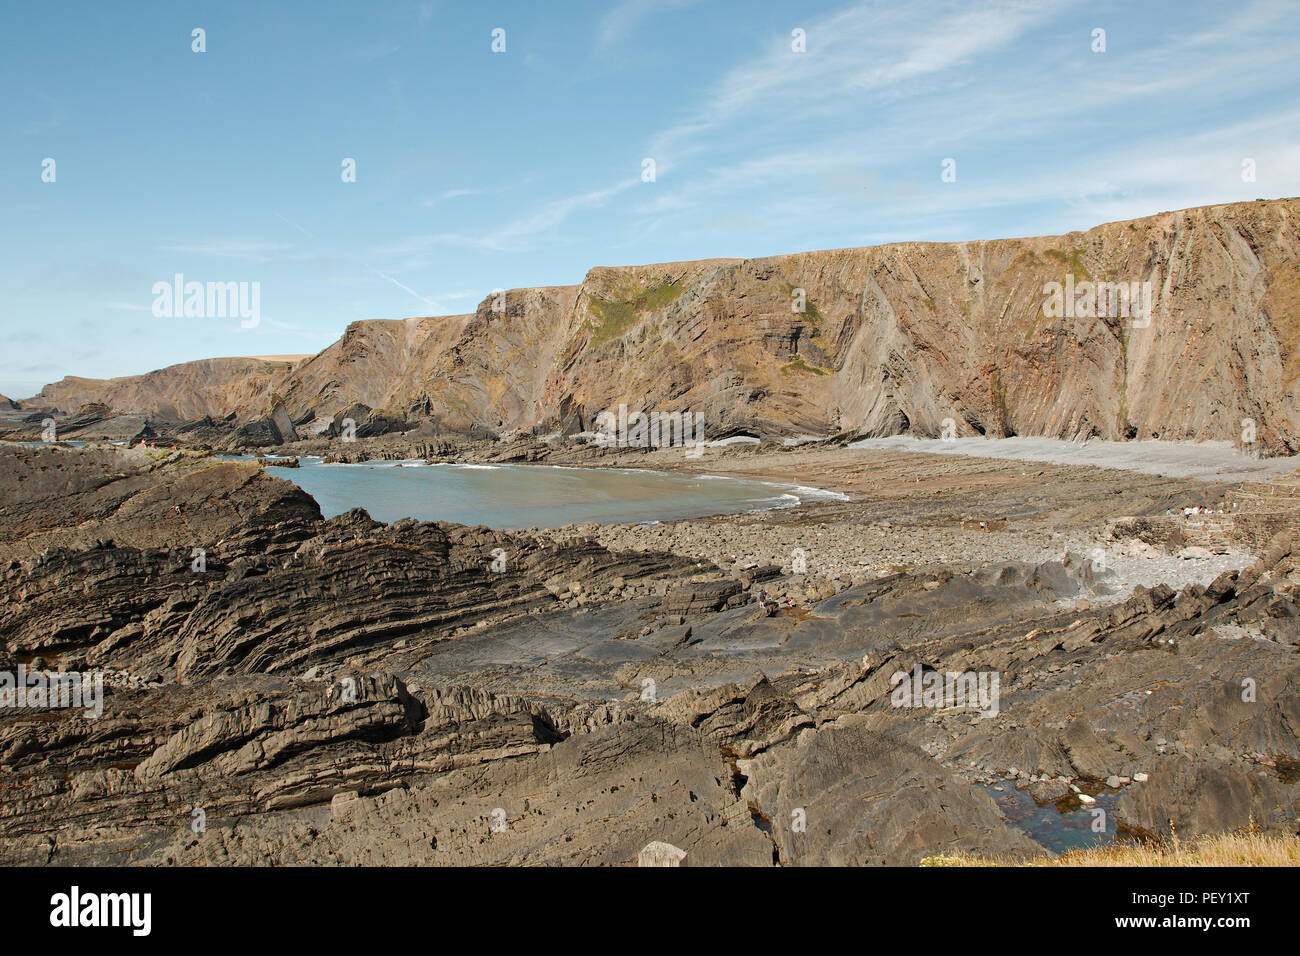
[
  {"x": 526, "y": 496},
  {"x": 1055, "y": 828}
]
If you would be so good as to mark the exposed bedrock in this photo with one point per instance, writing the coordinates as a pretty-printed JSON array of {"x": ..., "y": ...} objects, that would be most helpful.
[
  {"x": 892, "y": 338},
  {"x": 349, "y": 692}
]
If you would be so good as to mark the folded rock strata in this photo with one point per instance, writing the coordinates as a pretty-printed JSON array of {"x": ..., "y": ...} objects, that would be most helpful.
[
  {"x": 348, "y": 692},
  {"x": 895, "y": 338}
]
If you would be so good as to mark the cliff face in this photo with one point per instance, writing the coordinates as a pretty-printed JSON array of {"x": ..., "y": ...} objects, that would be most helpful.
[
  {"x": 903, "y": 336},
  {"x": 891, "y": 338},
  {"x": 486, "y": 368},
  {"x": 215, "y": 387}
]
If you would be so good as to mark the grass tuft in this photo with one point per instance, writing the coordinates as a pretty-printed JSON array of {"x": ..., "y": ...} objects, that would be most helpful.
[
  {"x": 617, "y": 316},
  {"x": 1072, "y": 261},
  {"x": 797, "y": 364},
  {"x": 1223, "y": 849}
]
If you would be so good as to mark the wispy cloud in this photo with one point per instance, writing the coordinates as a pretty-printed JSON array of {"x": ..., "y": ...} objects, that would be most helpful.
[
  {"x": 446, "y": 194},
  {"x": 517, "y": 233},
  {"x": 228, "y": 249},
  {"x": 619, "y": 23},
  {"x": 842, "y": 144},
  {"x": 884, "y": 93},
  {"x": 406, "y": 288},
  {"x": 880, "y": 47}
]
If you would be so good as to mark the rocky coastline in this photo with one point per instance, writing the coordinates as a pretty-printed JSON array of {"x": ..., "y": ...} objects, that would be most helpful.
[{"x": 346, "y": 691}]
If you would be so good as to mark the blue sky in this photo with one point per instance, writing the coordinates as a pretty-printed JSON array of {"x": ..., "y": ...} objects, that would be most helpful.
[{"x": 478, "y": 170}]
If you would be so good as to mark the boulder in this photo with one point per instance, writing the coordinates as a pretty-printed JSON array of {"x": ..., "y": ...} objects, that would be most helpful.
[{"x": 661, "y": 854}]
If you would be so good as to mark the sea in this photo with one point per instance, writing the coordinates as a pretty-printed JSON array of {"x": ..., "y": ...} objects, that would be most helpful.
[{"x": 532, "y": 496}]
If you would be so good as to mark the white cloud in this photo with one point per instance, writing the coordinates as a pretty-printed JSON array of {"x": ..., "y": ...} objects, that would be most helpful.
[
  {"x": 619, "y": 23},
  {"x": 868, "y": 47},
  {"x": 884, "y": 93},
  {"x": 516, "y": 233},
  {"x": 430, "y": 202},
  {"x": 842, "y": 145}
]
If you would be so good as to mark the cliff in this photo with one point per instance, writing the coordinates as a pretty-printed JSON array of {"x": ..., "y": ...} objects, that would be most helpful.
[
  {"x": 890, "y": 338},
  {"x": 215, "y": 387}
]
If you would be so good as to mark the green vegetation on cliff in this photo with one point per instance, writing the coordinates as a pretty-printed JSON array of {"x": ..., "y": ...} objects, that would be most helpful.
[
  {"x": 1073, "y": 261},
  {"x": 797, "y": 364},
  {"x": 616, "y": 316}
]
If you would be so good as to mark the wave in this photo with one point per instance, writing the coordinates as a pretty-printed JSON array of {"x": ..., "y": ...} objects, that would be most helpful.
[{"x": 812, "y": 492}]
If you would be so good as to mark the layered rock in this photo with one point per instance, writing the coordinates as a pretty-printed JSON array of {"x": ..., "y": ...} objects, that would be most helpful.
[
  {"x": 182, "y": 392},
  {"x": 872, "y": 341},
  {"x": 349, "y": 692}
]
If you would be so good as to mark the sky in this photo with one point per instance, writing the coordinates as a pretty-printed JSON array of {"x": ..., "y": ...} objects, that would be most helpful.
[{"x": 768, "y": 127}]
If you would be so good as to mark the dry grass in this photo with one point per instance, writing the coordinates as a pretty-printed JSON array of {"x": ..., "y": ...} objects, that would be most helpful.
[{"x": 1225, "y": 849}]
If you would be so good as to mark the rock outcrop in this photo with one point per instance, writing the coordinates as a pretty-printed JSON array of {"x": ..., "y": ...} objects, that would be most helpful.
[
  {"x": 190, "y": 390},
  {"x": 872, "y": 341},
  {"x": 285, "y": 689}
]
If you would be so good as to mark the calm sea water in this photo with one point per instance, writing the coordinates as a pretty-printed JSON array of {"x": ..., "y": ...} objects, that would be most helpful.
[{"x": 526, "y": 496}]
